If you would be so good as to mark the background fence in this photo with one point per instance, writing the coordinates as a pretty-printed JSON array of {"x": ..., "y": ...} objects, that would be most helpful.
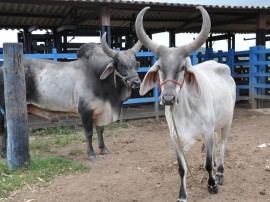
[{"x": 250, "y": 69}]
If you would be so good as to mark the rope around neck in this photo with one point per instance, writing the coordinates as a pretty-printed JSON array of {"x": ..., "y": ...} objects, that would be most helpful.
[{"x": 124, "y": 78}]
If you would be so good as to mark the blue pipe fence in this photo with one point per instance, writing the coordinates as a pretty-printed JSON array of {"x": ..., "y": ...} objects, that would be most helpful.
[{"x": 250, "y": 69}]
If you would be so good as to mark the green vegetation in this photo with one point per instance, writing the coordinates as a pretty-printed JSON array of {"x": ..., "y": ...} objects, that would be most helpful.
[
  {"x": 40, "y": 170},
  {"x": 46, "y": 147},
  {"x": 116, "y": 125}
]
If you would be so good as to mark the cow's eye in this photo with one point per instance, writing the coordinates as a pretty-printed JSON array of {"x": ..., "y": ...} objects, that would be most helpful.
[{"x": 182, "y": 68}]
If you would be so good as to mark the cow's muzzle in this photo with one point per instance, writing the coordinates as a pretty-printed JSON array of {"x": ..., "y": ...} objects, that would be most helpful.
[
  {"x": 133, "y": 82},
  {"x": 168, "y": 100}
]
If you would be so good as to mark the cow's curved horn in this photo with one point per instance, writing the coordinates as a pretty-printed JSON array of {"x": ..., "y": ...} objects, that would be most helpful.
[
  {"x": 136, "y": 47},
  {"x": 110, "y": 52},
  {"x": 142, "y": 36},
  {"x": 203, "y": 35}
]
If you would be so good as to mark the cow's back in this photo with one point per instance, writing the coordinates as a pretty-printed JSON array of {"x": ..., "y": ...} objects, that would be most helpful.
[{"x": 219, "y": 90}]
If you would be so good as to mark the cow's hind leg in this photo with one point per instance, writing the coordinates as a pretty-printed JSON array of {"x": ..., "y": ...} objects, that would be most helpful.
[
  {"x": 210, "y": 144},
  {"x": 3, "y": 137},
  {"x": 87, "y": 122},
  {"x": 223, "y": 141},
  {"x": 101, "y": 144}
]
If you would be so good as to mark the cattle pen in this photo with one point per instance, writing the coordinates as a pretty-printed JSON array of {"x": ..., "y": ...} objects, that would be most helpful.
[{"x": 249, "y": 68}]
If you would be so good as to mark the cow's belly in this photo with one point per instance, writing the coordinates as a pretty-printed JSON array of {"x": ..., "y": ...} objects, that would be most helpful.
[{"x": 105, "y": 114}]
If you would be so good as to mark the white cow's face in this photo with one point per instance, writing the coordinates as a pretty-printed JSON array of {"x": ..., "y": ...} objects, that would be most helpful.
[
  {"x": 169, "y": 72},
  {"x": 171, "y": 75}
]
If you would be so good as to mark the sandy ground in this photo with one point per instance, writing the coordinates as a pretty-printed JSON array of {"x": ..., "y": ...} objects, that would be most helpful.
[{"x": 142, "y": 167}]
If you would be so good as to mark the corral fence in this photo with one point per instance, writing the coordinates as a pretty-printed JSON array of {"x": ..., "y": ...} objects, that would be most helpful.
[{"x": 250, "y": 69}]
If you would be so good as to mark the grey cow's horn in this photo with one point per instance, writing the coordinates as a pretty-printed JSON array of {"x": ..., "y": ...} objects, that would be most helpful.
[
  {"x": 142, "y": 36},
  {"x": 136, "y": 47},
  {"x": 110, "y": 52},
  {"x": 203, "y": 35}
]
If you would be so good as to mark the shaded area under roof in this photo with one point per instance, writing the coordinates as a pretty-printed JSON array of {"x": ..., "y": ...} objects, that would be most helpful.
[{"x": 85, "y": 14}]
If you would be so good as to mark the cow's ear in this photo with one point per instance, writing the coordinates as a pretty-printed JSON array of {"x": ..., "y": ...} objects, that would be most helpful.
[
  {"x": 108, "y": 70},
  {"x": 150, "y": 79},
  {"x": 190, "y": 77}
]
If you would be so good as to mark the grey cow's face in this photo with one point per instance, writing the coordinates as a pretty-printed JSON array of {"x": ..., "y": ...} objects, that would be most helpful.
[{"x": 127, "y": 65}]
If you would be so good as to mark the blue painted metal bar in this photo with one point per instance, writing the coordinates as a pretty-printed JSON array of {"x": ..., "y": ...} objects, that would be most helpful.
[
  {"x": 252, "y": 79},
  {"x": 15, "y": 105},
  {"x": 262, "y": 74},
  {"x": 262, "y": 86},
  {"x": 52, "y": 56},
  {"x": 145, "y": 54},
  {"x": 242, "y": 86},
  {"x": 140, "y": 100},
  {"x": 240, "y": 75},
  {"x": 193, "y": 58},
  {"x": 241, "y": 64},
  {"x": 143, "y": 69}
]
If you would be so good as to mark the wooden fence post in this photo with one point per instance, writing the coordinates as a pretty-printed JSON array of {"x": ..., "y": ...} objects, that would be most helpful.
[{"x": 16, "y": 109}]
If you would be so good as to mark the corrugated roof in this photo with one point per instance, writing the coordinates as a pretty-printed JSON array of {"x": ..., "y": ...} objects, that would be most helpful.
[{"x": 162, "y": 16}]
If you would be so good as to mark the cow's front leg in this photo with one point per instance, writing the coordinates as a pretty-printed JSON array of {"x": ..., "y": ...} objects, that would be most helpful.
[
  {"x": 3, "y": 137},
  {"x": 87, "y": 122},
  {"x": 182, "y": 169},
  {"x": 212, "y": 185},
  {"x": 101, "y": 144}
]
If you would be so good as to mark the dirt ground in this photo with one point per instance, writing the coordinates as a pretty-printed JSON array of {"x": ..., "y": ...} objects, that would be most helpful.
[{"x": 142, "y": 167}]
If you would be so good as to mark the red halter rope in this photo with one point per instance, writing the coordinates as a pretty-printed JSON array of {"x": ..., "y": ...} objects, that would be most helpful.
[{"x": 174, "y": 81}]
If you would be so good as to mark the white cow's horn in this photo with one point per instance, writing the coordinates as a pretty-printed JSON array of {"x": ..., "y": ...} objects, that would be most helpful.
[
  {"x": 142, "y": 36},
  {"x": 203, "y": 35}
]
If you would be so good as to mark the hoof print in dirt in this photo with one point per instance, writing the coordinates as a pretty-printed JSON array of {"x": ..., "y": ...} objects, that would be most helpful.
[{"x": 213, "y": 189}]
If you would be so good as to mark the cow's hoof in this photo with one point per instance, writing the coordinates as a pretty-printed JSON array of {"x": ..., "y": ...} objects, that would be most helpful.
[
  {"x": 219, "y": 178},
  {"x": 93, "y": 158},
  {"x": 104, "y": 151},
  {"x": 181, "y": 200},
  {"x": 213, "y": 189}
]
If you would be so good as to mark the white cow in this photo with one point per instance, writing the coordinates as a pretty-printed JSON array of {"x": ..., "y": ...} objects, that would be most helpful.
[{"x": 200, "y": 99}]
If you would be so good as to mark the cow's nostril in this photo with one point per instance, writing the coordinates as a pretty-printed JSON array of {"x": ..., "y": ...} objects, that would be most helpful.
[{"x": 168, "y": 100}]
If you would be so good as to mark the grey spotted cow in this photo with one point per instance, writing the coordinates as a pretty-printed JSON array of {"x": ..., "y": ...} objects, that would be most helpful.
[{"x": 93, "y": 87}]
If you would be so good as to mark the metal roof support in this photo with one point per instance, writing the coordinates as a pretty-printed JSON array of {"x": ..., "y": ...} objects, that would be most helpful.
[
  {"x": 261, "y": 29},
  {"x": 105, "y": 23}
]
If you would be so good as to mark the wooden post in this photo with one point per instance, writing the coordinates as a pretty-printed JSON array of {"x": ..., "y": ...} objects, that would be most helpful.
[
  {"x": 261, "y": 29},
  {"x": 106, "y": 23},
  {"x": 16, "y": 109}
]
